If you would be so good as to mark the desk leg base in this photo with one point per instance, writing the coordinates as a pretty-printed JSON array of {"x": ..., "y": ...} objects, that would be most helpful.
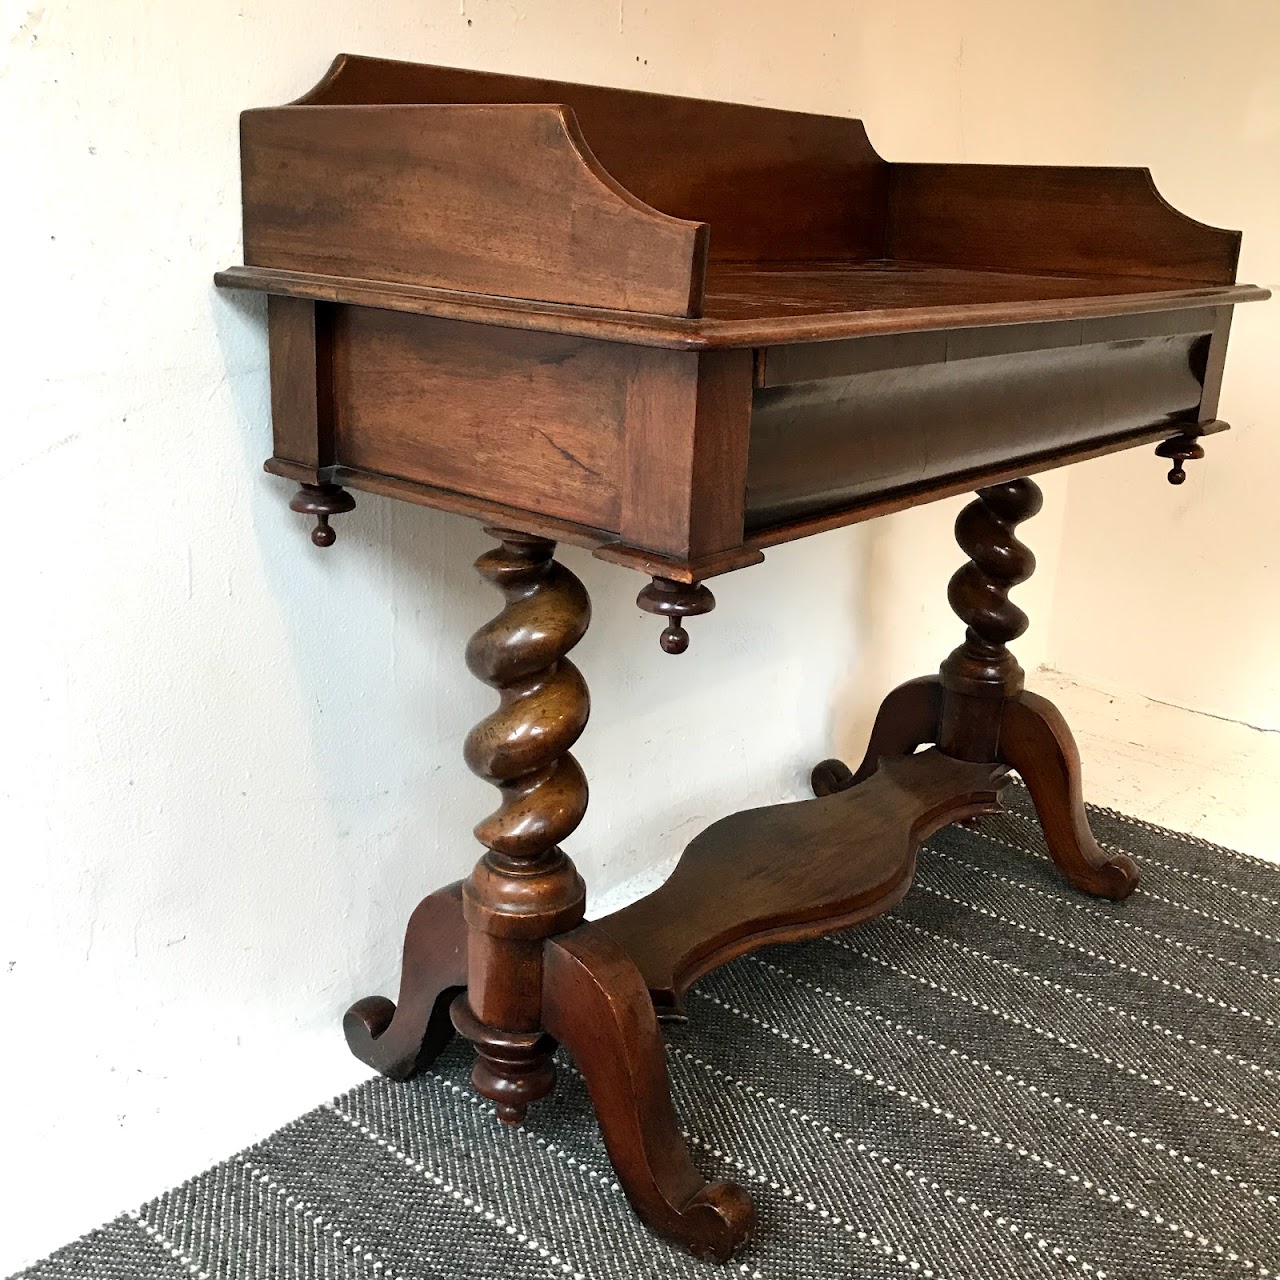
[
  {"x": 907, "y": 720},
  {"x": 505, "y": 959},
  {"x": 513, "y": 939},
  {"x": 977, "y": 707},
  {"x": 597, "y": 1005},
  {"x": 397, "y": 1040},
  {"x": 1034, "y": 741}
]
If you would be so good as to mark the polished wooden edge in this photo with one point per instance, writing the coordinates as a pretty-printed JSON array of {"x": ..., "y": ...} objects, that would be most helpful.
[
  {"x": 604, "y": 544},
  {"x": 699, "y": 232},
  {"x": 580, "y": 217},
  {"x": 601, "y": 542},
  {"x": 345, "y": 65},
  {"x": 917, "y": 190},
  {"x": 336, "y": 70},
  {"x": 687, "y": 571},
  {"x": 425, "y": 495},
  {"x": 950, "y": 486},
  {"x": 696, "y": 334}
]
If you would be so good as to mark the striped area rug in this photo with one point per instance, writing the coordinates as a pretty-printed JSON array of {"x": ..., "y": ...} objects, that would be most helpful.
[{"x": 1001, "y": 1079}]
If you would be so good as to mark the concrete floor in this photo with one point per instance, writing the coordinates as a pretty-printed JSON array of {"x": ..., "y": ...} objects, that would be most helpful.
[{"x": 135, "y": 1132}]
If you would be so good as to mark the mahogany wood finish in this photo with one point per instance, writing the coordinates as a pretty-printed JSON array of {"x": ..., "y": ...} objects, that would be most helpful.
[
  {"x": 398, "y": 1039},
  {"x": 1181, "y": 449},
  {"x": 620, "y": 325},
  {"x": 322, "y": 501},
  {"x": 762, "y": 306},
  {"x": 677, "y": 333},
  {"x": 981, "y": 674},
  {"x": 327, "y": 192},
  {"x": 972, "y": 401},
  {"x": 524, "y": 889},
  {"x": 908, "y": 718},
  {"x": 1035, "y": 740},
  {"x": 848, "y": 857},
  {"x": 682, "y": 489},
  {"x": 1036, "y": 218},
  {"x": 720, "y": 163},
  {"x": 675, "y": 601},
  {"x": 565, "y": 431},
  {"x": 978, "y": 709},
  {"x": 301, "y": 380},
  {"x": 596, "y": 1004}
]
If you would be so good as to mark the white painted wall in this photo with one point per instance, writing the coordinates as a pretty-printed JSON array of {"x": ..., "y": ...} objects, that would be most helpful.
[
  {"x": 230, "y": 762},
  {"x": 1175, "y": 593}
]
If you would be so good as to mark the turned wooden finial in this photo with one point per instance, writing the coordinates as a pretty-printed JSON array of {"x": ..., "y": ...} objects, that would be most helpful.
[
  {"x": 675, "y": 601},
  {"x": 1180, "y": 449},
  {"x": 322, "y": 501}
]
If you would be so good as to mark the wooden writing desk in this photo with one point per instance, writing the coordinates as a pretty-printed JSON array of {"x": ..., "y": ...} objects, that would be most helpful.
[{"x": 679, "y": 332}]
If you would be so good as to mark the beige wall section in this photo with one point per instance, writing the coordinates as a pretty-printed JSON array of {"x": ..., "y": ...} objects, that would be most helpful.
[
  {"x": 1170, "y": 593},
  {"x": 1175, "y": 593}
]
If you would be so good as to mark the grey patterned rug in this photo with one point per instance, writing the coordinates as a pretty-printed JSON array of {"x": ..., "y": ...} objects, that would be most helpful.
[{"x": 1003, "y": 1078}]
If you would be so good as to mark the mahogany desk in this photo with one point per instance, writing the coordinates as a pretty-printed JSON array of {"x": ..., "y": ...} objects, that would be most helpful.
[{"x": 680, "y": 332}]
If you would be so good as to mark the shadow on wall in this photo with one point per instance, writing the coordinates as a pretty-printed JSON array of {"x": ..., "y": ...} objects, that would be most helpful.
[
  {"x": 903, "y": 621},
  {"x": 858, "y": 695},
  {"x": 372, "y": 633}
]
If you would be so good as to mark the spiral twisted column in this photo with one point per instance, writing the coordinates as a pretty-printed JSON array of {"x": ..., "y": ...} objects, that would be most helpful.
[
  {"x": 981, "y": 675},
  {"x": 524, "y": 889}
]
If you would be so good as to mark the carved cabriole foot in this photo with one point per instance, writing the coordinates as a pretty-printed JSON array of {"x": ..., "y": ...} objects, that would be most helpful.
[
  {"x": 977, "y": 708},
  {"x": 1035, "y": 740},
  {"x": 908, "y": 719},
  {"x": 399, "y": 1039},
  {"x": 595, "y": 1003}
]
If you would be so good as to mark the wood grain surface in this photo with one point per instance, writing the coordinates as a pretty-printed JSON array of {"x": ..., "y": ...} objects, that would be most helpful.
[{"x": 485, "y": 199}]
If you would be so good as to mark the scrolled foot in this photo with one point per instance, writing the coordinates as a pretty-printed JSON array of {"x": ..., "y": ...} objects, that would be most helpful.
[
  {"x": 907, "y": 719},
  {"x": 720, "y": 1219},
  {"x": 829, "y": 777},
  {"x": 1035, "y": 740},
  {"x": 366, "y": 1020},
  {"x": 397, "y": 1040},
  {"x": 596, "y": 1004},
  {"x": 1117, "y": 878}
]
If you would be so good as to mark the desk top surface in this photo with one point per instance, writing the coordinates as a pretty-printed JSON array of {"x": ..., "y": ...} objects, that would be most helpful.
[
  {"x": 748, "y": 304},
  {"x": 1050, "y": 313},
  {"x": 676, "y": 222}
]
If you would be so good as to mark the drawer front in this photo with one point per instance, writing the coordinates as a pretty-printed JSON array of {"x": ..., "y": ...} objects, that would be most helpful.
[{"x": 894, "y": 415}]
